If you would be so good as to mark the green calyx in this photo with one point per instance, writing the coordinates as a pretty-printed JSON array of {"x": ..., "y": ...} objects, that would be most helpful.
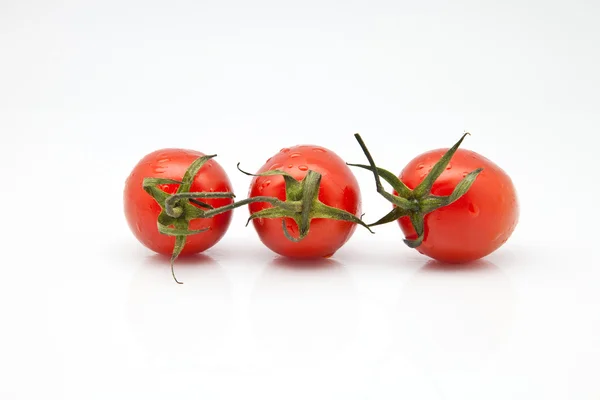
[
  {"x": 302, "y": 204},
  {"x": 177, "y": 210},
  {"x": 416, "y": 203}
]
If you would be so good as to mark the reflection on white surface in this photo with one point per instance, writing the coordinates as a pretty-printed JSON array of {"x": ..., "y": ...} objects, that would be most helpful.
[
  {"x": 303, "y": 311},
  {"x": 450, "y": 320},
  {"x": 181, "y": 325},
  {"x": 399, "y": 378}
]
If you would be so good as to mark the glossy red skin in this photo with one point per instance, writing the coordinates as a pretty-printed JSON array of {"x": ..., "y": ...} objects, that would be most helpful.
[
  {"x": 141, "y": 210},
  {"x": 475, "y": 225},
  {"x": 339, "y": 189}
]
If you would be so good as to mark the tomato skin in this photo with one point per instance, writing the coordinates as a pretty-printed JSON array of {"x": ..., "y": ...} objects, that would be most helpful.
[
  {"x": 141, "y": 210},
  {"x": 338, "y": 188},
  {"x": 476, "y": 224}
]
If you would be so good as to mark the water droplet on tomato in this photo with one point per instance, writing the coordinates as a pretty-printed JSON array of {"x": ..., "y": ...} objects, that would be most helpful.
[
  {"x": 163, "y": 160},
  {"x": 465, "y": 174},
  {"x": 276, "y": 166},
  {"x": 420, "y": 166},
  {"x": 284, "y": 150},
  {"x": 266, "y": 183},
  {"x": 473, "y": 209},
  {"x": 138, "y": 228},
  {"x": 449, "y": 166},
  {"x": 302, "y": 167},
  {"x": 295, "y": 155},
  {"x": 270, "y": 158},
  {"x": 160, "y": 169},
  {"x": 290, "y": 165},
  {"x": 319, "y": 150}
]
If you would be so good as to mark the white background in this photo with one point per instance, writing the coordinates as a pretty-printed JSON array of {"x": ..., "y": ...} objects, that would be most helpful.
[{"x": 87, "y": 88}]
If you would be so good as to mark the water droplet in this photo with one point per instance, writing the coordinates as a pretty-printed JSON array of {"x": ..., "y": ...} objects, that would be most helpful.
[
  {"x": 266, "y": 183},
  {"x": 295, "y": 155},
  {"x": 473, "y": 209},
  {"x": 160, "y": 169},
  {"x": 465, "y": 174},
  {"x": 449, "y": 166},
  {"x": 302, "y": 167},
  {"x": 276, "y": 166},
  {"x": 290, "y": 165},
  {"x": 284, "y": 150},
  {"x": 163, "y": 160},
  {"x": 420, "y": 166},
  {"x": 270, "y": 158},
  {"x": 138, "y": 227},
  {"x": 319, "y": 150}
]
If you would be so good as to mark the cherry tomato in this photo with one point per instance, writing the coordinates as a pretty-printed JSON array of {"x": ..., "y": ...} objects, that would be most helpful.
[
  {"x": 338, "y": 188},
  {"x": 141, "y": 210},
  {"x": 477, "y": 223}
]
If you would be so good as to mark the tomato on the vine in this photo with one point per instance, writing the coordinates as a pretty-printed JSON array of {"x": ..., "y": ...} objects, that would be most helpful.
[
  {"x": 334, "y": 214},
  {"x": 142, "y": 210},
  {"x": 476, "y": 224},
  {"x": 453, "y": 205}
]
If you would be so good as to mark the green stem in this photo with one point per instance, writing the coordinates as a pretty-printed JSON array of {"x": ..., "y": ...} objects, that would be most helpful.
[
  {"x": 418, "y": 202},
  {"x": 302, "y": 203},
  {"x": 171, "y": 201},
  {"x": 275, "y": 202},
  {"x": 402, "y": 202}
]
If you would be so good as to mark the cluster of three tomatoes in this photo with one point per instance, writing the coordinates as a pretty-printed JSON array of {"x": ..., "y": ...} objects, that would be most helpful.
[{"x": 453, "y": 205}]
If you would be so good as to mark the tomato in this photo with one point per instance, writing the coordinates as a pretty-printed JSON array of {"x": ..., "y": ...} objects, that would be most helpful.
[
  {"x": 477, "y": 223},
  {"x": 338, "y": 188},
  {"x": 141, "y": 210}
]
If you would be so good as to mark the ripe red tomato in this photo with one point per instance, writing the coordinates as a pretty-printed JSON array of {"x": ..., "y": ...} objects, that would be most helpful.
[
  {"x": 477, "y": 223},
  {"x": 142, "y": 211},
  {"x": 338, "y": 189}
]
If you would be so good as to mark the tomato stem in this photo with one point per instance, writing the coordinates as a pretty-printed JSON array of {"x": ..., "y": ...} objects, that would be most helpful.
[
  {"x": 302, "y": 203},
  {"x": 416, "y": 203},
  {"x": 402, "y": 202},
  {"x": 172, "y": 201}
]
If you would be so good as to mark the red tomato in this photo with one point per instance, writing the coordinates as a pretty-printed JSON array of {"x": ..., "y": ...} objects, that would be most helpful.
[
  {"x": 338, "y": 189},
  {"x": 142, "y": 211},
  {"x": 477, "y": 223}
]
